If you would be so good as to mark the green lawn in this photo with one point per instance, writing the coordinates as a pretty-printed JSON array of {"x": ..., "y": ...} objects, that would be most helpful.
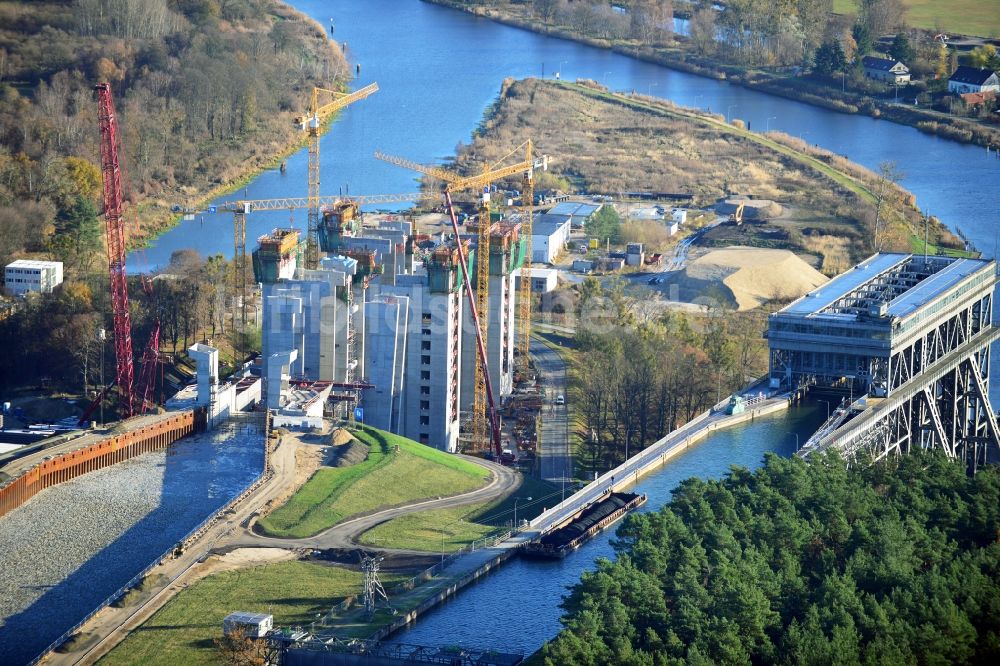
[
  {"x": 966, "y": 17},
  {"x": 449, "y": 530},
  {"x": 387, "y": 478},
  {"x": 182, "y": 632}
]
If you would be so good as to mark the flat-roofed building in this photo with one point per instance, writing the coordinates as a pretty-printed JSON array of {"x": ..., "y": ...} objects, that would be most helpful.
[
  {"x": 879, "y": 323},
  {"x": 26, "y": 275}
]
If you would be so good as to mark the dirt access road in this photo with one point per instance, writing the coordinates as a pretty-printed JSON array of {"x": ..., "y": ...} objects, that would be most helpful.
[{"x": 110, "y": 626}]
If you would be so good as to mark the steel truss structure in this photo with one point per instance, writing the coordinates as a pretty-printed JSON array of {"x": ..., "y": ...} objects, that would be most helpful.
[
  {"x": 945, "y": 407},
  {"x": 912, "y": 334}
]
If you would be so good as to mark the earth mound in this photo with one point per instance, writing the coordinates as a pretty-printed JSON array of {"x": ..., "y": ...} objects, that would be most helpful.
[{"x": 746, "y": 277}]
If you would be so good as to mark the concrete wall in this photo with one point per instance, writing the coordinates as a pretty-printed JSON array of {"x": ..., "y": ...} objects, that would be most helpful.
[
  {"x": 386, "y": 360},
  {"x": 429, "y": 405}
]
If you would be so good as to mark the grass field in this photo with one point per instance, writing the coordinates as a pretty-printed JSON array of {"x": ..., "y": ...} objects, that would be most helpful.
[
  {"x": 448, "y": 530},
  {"x": 386, "y": 478},
  {"x": 967, "y": 17},
  {"x": 182, "y": 632}
]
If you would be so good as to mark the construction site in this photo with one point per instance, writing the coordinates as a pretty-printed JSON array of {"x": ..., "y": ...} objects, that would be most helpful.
[{"x": 363, "y": 320}]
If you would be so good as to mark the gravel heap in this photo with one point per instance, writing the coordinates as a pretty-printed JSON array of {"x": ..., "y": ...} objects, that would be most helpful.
[{"x": 73, "y": 545}]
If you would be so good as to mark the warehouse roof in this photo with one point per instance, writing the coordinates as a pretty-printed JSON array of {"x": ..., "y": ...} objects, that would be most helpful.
[
  {"x": 574, "y": 209},
  {"x": 33, "y": 263}
]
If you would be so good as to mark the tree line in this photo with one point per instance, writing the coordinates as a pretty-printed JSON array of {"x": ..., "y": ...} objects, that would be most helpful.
[
  {"x": 57, "y": 336},
  {"x": 203, "y": 88},
  {"x": 800, "y": 563},
  {"x": 641, "y": 371}
]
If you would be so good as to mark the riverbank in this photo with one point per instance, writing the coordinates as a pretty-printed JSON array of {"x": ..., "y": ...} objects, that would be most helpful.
[
  {"x": 618, "y": 142},
  {"x": 801, "y": 89},
  {"x": 271, "y": 143}
]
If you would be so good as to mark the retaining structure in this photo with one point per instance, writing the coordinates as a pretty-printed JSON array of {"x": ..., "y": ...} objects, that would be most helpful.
[{"x": 108, "y": 451}]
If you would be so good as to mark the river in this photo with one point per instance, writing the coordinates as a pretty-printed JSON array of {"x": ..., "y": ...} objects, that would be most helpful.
[
  {"x": 438, "y": 70},
  {"x": 516, "y": 608}
]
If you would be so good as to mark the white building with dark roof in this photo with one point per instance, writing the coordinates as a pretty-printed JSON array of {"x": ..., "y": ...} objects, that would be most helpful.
[
  {"x": 549, "y": 236},
  {"x": 889, "y": 70},
  {"x": 973, "y": 80}
]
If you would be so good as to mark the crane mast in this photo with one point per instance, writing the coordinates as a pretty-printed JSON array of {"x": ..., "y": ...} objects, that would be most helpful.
[
  {"x": 524, "y": 297},
  {"x": 481, "y": 373},
  {"x": 485, "y": 414},
  {"x": 115, "y": 226},
  {"x": 316, "y": 116}
]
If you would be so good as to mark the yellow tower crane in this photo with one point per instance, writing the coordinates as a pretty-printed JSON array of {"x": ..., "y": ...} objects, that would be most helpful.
[
  {"x": 524, "y": 297},
  {"x": 240, "y": 209},
  {"x": 484, "y": 413},
  {"x": 312, "y": 122}
]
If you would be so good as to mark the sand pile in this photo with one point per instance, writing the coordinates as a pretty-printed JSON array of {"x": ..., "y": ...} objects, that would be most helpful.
[
  {"x": 344, "y": 450},
  {"x": 745, "y": 277}
]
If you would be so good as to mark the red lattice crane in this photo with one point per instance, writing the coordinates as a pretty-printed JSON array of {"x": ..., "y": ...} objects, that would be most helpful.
[
  {"x": 132, "y": 398},
  {"x": 115, "y": 224}
]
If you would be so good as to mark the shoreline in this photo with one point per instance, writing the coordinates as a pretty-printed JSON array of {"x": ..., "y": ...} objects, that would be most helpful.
[
  {"x": 918, "y": 119},
  {"x": 254, "y": 166}
]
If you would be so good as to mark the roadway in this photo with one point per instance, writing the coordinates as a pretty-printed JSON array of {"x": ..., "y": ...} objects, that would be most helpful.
[
  {"x": 344, "y": 535},
  {"x": 553, "y": 441},
  {"x": 112, "y": 625}
]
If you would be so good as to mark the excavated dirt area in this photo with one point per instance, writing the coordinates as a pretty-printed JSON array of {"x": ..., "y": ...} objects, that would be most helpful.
[
  {"x": 73, "y": 545},
  {"x": 746, "y": 277}
]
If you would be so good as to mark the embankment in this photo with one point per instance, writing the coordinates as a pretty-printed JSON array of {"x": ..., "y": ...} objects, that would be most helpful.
[
  {"x": 106, "y": 452},
  {"x": 794, "y": 88}
]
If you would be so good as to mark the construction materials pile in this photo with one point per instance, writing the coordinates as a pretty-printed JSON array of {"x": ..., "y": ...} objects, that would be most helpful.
[{"x": 745, "y": 277}]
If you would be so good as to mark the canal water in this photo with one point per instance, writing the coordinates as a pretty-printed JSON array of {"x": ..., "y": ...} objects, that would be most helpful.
[
  {"x": 438, "y": 71},
  {"x": 516, "y": 607},
  {"x": 73, "y": 545}
]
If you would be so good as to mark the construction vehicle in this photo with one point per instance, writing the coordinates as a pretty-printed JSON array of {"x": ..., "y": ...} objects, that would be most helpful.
[
  {"x": 133, "y": 397},
  {"x": 485, "y": 411},
  {"x": 737, "y": 215},
  {"x": 312, "y": 123}
]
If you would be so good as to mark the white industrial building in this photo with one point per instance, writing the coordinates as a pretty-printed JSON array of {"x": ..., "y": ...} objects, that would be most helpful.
[
  {"x": 544, "y": 280},
  {"x": 26, "y": 275},
  {"x": 432, "y": 371},
  {"x": 549, "y": 236}
]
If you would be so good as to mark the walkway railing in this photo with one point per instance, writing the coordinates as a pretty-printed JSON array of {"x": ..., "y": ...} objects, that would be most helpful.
[{"x": 195, "y": 532}]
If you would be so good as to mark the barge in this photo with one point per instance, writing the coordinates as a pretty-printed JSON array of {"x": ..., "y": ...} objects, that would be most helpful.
[{"x": 590, "y": 520}]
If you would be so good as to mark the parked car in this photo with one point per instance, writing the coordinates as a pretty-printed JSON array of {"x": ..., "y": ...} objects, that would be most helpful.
[{"x": 560, "y": 399}]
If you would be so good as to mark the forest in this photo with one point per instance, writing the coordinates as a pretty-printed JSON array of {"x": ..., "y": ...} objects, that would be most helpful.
[
  {"x": 640, "y": 371},
  {"x": 205, "y": 91},
  {"x": 800, "y": 563}
]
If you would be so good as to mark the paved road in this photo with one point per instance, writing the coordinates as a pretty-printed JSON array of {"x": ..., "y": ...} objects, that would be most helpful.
[
  {"x": 344, "y": 535},
  {"x": 553, "y": 444},
  {"x": 113, "y": 624}
]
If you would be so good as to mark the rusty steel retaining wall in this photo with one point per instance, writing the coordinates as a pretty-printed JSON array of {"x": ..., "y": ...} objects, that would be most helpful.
[{"x": 106, "y": 452}]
